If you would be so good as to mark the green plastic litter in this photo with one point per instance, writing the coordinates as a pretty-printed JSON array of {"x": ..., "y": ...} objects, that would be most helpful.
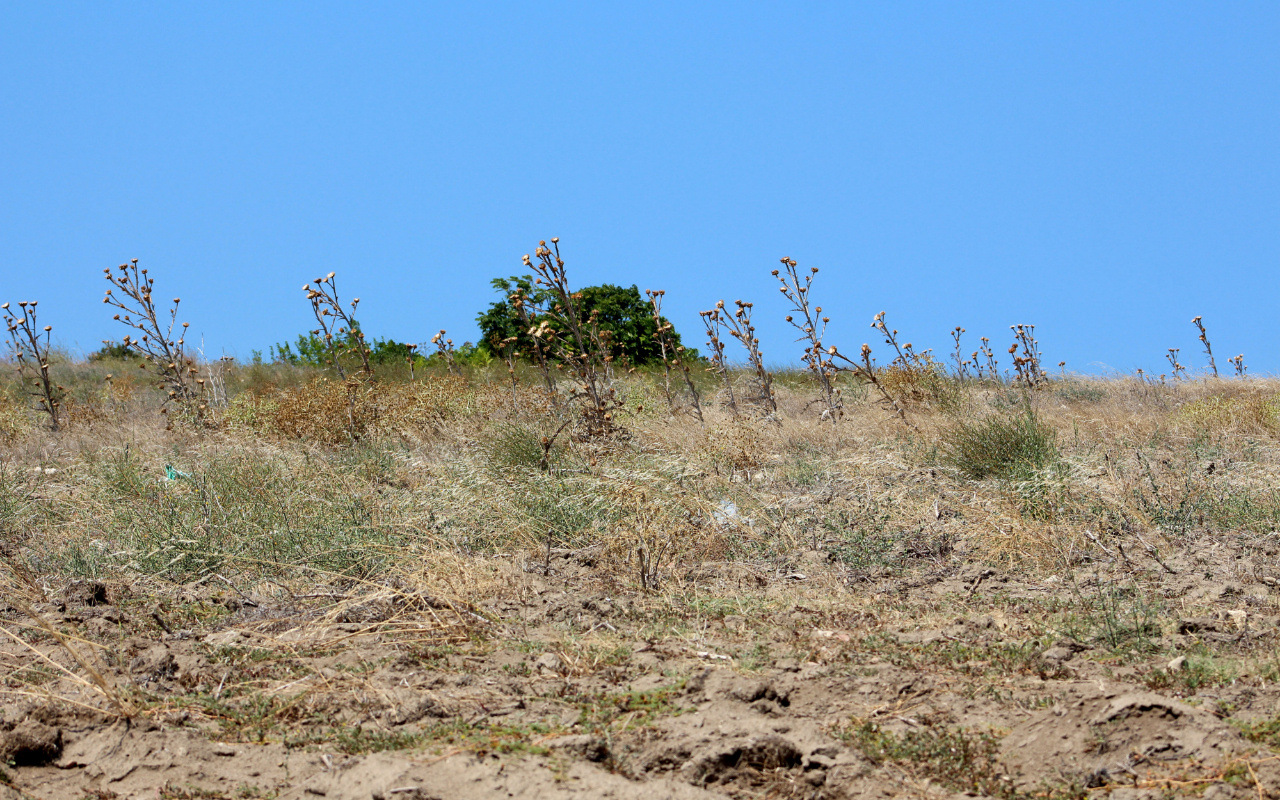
[{"x": 171, "y": 474}]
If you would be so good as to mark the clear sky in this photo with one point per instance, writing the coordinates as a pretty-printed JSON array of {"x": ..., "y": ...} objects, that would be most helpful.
[{"x": 1104, "y": 170}]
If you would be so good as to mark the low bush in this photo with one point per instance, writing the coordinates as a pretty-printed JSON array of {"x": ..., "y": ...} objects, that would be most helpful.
[{"x": 1000, "y": 446}]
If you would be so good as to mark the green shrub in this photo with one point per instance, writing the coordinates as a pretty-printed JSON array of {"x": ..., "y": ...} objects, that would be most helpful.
[
  {"x": 999, "y": 446},
  {"x": 622, "y": 312}
]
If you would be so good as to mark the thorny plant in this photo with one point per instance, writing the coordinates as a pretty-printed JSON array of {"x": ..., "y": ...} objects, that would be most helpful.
[
  {"x": 651, "y": 543},
  {"x": 444, "y": 349},
  {"x": 907, "y": 358},
  {"x": 337, "y": 324},
  {"x": 672, "y": 355},
  {"x": 713, "y": 321},
  {"x": 815, "y": 357},
  {"x": 1172, "y": 357},
  {"x": 866, "y": 367},
  {"x": 989, "y": 356},
  {"x": 1240, "y": 367},
  {"x": 217, "y": 381},
  {"x": 506, "y": 349},
  {"x": 579, "y": 344},
  {"x": 962, "y": 364},
  {"x": 740, "y": 327},
  {"x": 1208, "y": 348},
  {"x": 410, "y": 358},
  {"x": 165, "y": 357},
  {"x": 30, "y": 346},
  {"x": 1027, "y": 362},
  {"x": 521, "y": 302}
]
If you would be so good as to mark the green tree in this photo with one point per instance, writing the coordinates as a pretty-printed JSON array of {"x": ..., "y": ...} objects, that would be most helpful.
[{"x": 621, "y": 311}]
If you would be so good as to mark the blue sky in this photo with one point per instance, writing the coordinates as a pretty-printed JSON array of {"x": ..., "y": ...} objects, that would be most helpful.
[{"x": 1104, "y": 170}]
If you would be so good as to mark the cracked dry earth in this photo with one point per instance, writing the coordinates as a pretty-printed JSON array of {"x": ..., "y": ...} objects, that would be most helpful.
[{"x": 955, "y": 680}]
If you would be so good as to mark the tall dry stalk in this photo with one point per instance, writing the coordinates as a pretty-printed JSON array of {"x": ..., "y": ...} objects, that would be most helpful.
[
  {"x": 336, "y": 324},
  {"x": 579, "y": 345},
  {"x": 713, "y": 321},
  {"x": 1208, "y": 348},
  {"x": 962, "y": 364},
  {"x": 165, "y": 357},
  {"x": 1026, "y": 364},
  {"x": 525, "y": 311},
  {"x": 30, "y": 346},
  {"x": 444, "y": 349},
  {"x": 740, "y": 327},
  {"x": 813, "y": 328},
  {"x": 865, "y": 369},
  {"x": 672, "y": 355}
]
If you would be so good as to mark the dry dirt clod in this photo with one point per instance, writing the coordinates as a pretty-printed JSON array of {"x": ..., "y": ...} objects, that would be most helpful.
[
  {"x": 30, "y": 743},
  {"x": 592, "y": 748},
  {"x": 549, "y": 663}
]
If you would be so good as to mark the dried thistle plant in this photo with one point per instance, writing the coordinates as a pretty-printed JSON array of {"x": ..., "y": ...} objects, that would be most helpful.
[
  {"x": 338, "y": 327},
  {"x": 672, "y": 355},
  {"x": 989, "y": 359},
  {"x": 444, "y": 349},
  {"x": 865, "y": 369},
  {"x": 30, "y": 344},
  {"x": 1027, "y": 362},
  {"x": 740, "y": 327},
  {"x": 578, "y": 345},
  {"x": 815, "y": 356},
  {"x": 962, "y": 364},
  {"x": 507, "y": 350},
  {"x": 1240, "y": 367},
  {"x": 526, "y": 310},
  {"x": 164, "y": 356},
  {"x": 1172, "y": 358},
  {"x": 411, "y": 359},
  {"x": 713, "y": 321},
  {"x": 1208, "y": 348}
]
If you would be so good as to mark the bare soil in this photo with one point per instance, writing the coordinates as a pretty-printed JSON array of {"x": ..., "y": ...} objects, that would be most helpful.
[{"x": 950, "y": 679}]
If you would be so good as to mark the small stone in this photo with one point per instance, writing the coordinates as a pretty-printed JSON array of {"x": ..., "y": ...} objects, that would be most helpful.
[
  {"x": 1058, "y": 654},
  {"x": 548, "y": 662},
  {"x": 1177, "y": 664},
  {"x": 818, "y": 761},
  {"x": 749, "y": 691},
  {"x": 1219, "y": 791}
]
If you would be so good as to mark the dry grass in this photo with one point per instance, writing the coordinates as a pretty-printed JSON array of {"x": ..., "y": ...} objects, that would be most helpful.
[{"x": 445, "y": 465}]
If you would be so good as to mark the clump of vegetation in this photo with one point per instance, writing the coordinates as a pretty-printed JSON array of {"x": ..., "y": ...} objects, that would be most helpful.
[
  {"x": 527, "y": 302},
  {"x": 1000, "y": 445},
  {"x": 960, "y": 760},
  {"x": 1256, "y": 413}
]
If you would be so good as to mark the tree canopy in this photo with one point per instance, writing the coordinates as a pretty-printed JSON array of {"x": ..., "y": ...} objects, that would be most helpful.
[{"x": 621, "y": 311}]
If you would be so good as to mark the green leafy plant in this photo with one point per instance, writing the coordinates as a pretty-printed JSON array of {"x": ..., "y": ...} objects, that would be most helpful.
[{"x": 622, "y": 312}]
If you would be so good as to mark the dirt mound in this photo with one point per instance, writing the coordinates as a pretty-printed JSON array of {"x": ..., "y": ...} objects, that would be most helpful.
[
  {"x": 740, "y": 737},
  {"x": 30, "y": 743},
  {"x": 1103, "y": 737}
]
